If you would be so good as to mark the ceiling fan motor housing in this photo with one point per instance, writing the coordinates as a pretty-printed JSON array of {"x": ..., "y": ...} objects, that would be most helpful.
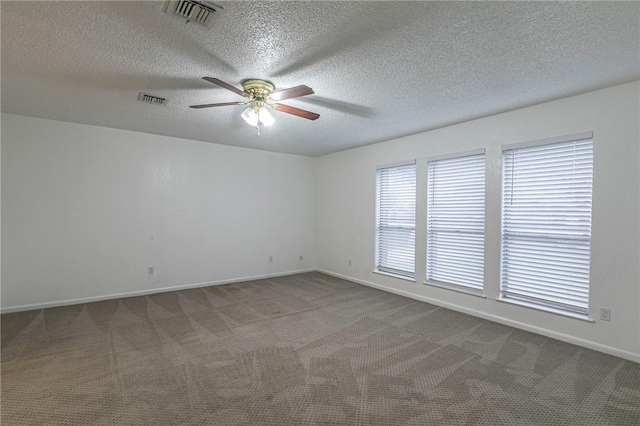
[{"x": 259, "y": 90}]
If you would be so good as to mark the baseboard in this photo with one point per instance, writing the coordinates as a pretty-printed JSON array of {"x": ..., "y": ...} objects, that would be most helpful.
[
  {"x": 523, "y": 326},
  {"x": 43, "y": 305}
]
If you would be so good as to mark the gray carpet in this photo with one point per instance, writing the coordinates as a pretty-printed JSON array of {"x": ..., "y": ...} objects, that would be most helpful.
[{"x": 299, "y": 350}]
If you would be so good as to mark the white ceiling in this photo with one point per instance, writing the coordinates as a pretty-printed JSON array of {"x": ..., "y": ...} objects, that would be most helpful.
[{"x": 380, "y": 70}]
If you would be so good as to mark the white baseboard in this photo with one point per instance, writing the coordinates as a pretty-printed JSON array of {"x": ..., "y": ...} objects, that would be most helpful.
[
  {"x": 30, "y": 307},
  {"x": 631, "y": 356}
]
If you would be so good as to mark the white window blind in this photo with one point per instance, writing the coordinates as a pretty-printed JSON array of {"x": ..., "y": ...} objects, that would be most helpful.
[
  {"x": 455, "y": 221},
  {"x": 396, "y": 219},
  {"x": 546, "y": 224}
]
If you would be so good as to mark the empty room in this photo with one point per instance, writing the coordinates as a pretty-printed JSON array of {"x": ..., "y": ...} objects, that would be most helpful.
[{"x": 320, "y": 213}]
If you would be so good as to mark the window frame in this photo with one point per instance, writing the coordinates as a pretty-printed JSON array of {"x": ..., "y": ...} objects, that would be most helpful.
[
  {"x": 444, "y": 284},
  {"x": 549, "y": 306},
  {"x": 378, "y": 268}
]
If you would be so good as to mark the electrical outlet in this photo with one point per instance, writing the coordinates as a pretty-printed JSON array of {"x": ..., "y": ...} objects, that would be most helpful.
[
  {"x": 270, "y": 259},
  {"x": 150, "y": 270},
  {"x": 605, "y": 314},
  {"x": 349, "y": 262}
]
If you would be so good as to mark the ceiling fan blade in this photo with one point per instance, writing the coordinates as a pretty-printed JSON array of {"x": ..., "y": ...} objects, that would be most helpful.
[
  {"x": 226, "y": 86},
  {"x": 292, "y": 92},
  {"x": 216, "y": 105},
  {"x": 342, "y": 106},
  {"x": 296, "y": 111}
]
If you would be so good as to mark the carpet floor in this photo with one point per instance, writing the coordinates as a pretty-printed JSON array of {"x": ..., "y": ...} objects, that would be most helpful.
[{"x": 298, "y": 350}]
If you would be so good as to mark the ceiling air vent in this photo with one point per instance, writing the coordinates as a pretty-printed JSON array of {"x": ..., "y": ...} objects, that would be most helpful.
[
  {"x": 150, "y": 99},
  {"x": 194, "y": 11}
]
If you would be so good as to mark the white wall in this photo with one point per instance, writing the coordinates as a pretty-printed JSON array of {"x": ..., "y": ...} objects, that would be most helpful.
[
  {"x": 86, "y": 209},
  {"x": 80, "y": 205},
  {"x": 346, "y": 218}
]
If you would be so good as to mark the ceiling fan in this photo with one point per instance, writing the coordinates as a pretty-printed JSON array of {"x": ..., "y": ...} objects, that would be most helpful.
[{"x": 261, "y": 94}]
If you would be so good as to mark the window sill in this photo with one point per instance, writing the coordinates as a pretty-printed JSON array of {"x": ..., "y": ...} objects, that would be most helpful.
[
  {"x": 456, "y": 288},
  {"x": 389, "y": 274},
  {"x": 546, "y": 309}
]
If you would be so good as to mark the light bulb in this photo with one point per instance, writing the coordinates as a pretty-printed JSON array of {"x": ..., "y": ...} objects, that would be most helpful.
[
  {"x": 265, "y": 117},
  {"x": 249, "y": 115}
]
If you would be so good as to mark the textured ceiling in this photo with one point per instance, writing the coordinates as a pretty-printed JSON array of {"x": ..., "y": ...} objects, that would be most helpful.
[{"x": 380, "y": 70}]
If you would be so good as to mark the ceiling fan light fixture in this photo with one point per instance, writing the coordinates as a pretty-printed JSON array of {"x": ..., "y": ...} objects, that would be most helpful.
[
  {"x": 250, "y": 116},
  {"x": 265, "y": 117}
]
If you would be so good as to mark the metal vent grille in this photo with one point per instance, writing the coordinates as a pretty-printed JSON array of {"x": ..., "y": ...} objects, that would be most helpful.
[
  {"x": 150, "y": 99},
  {"x": 194, "y": 11}
]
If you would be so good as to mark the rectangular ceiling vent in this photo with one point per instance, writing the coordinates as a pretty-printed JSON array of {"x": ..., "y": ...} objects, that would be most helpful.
[
  {"x": 150, "y": 99},
  {"x": 194, "y": 11}
]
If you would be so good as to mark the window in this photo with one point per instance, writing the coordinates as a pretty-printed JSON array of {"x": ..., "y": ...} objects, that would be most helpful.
[
  {"x": 455, "y": 222},
  {"x": 546, "y": 224},
  {"x": 396, "y": 219}
]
